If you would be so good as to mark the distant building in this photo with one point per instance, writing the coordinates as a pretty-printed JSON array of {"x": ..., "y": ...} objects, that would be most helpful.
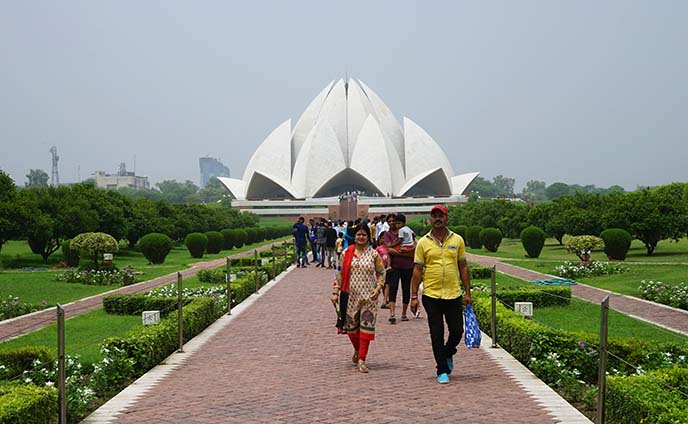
[
  {"x": 121, "y": 179},
  {"x": 211, "y": 167}
]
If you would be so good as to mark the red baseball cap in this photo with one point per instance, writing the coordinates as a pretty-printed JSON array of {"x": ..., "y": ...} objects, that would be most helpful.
[{"x": 439, "y": 208}]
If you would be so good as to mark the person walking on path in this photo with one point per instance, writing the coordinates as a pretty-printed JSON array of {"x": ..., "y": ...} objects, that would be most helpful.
[
  {"x": 356, "y": 291},
  {"x": 320, "y": 240},
  {"x": 330, "y": 245},
  {"x": 300, "y": 232},
  {"x": 401, "y": 263},
  {"x": 441, "y": 259}
]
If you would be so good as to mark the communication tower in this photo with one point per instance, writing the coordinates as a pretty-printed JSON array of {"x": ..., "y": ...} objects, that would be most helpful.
[{"x": 55, "y": 176}]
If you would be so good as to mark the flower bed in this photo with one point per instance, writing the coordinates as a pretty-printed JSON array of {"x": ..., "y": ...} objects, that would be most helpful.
[
  {"x": 120, "y": 277},
  {"x": 667, "y": 294},
  {"x": 572, "y": 270},
  {"x": 13, "y": 307}
]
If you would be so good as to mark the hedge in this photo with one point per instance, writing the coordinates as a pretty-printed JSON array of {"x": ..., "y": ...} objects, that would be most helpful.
[
  {"x": 617, "y": 242},
  {"x": 642, "y": 399},
  {"x": 543, "y": 297},
  {"x": 134, "y": 304},
  {"x": 480, "y": 273},
  {"x": 149, "y": 345},
  {"x": 533, "y": 240},
  {"x": 526, "y": 339},
  {"x": 27, "y": 404},
  {"x": 491, "y": 238},
  {"x": 16, "y": 361},
  {"x": 240, "y": 238},
  {"x": 212, "y": 276},
  {"x": 228, "y": 235}
]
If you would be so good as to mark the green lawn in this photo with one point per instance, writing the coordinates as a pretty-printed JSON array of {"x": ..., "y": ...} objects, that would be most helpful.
[
  {"x": 83, "y": 334},
  {"x": 275, "y": 222},
  {"x": 585, "y": 317},
  {"x": 624, "y": 283},
  {"x": 667, "y": 251},
  {"x": 35, "y": 287}
]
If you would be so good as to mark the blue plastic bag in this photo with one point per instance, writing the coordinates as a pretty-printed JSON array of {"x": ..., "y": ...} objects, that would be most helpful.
[{"x": 472, "y": 330}]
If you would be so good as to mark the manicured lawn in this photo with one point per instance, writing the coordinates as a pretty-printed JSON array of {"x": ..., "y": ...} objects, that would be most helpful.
[
  {"x": 275, "y": 222},
  {"x": 83, "y": 334},
  {"x": 585, "y": 317},
  {"x": 667, "y": 251},
  {"x": 624, "y": 283},
  {"x": 36, "y": 287}
]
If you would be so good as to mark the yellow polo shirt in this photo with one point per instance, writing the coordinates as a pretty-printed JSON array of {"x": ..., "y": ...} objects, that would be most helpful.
[{"x": 441, "y": 278}]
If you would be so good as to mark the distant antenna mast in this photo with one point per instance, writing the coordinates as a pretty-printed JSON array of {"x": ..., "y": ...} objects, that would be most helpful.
[{"x": 55, "y": 176}]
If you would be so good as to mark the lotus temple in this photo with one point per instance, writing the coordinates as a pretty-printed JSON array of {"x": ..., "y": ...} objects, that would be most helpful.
[{"x": 347, "y": 141}]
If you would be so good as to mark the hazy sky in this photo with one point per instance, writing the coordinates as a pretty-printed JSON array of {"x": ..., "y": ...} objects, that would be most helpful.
[{"x": 583, "y": 92}]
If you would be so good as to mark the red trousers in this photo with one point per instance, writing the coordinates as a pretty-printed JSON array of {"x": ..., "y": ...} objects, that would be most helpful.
[{"x": 361, "y": 342}]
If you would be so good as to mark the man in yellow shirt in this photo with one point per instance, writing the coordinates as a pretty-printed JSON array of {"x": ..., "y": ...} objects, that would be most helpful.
[{"x": 440, "y": 260}]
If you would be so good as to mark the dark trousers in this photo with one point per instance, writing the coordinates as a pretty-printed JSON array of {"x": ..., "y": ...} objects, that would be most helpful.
[
  {"x": 393, "y": 277},
  {"x": 301, "y": 258},
  {"x": 438, "y": 311}
]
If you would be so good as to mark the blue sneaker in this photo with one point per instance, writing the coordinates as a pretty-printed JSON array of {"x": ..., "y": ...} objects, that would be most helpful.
[
  {"x": 450, "y": 364},
  {"x": 443, "y": 378}
]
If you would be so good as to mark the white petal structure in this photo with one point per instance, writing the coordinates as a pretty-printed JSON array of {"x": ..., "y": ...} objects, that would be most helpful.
[{"x": 347, "y": 139}]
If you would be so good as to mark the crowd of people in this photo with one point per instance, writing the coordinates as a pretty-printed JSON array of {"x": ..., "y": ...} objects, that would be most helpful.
[{"x": 374, "y": 257}]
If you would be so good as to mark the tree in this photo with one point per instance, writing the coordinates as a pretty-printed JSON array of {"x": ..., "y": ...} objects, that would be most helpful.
[
  {"x": 212, "y": 192},
  {"x": 53, "y": 215},
  {"x": 111, "y": 208},
  {"x": 482, "y": 187},
  {"x": 176, "y": 192},
  {"x": 94, "y": 245},
  {"x": 37, "y": 178},
  {"x": 534, "y": 191},
  {"x": 9, "y": 227},
  {"x": 556, "y": 190},
  {"x": 504, "y": 186}
]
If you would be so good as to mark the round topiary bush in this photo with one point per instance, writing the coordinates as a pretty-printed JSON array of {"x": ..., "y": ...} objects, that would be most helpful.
[
  {"x": 473, "y": 236},
  {"x": 94, "y": 245},
  {"x": 216, "y": 241},
  {"x": 251, "y": 235},
  {"x": 491, "y": 238},
  {"x": 617, "y": 242},
  {"x": 155, "y": 247},
  {"x": 196, "y": 244},
  {"x": 533, "y": 240},
  {"x": 69, "y": 255},
  {"x": 228, "y": 236},
  {"x": 261, "y": 234},
  {"x": 460, "y": 230},
  {"x": 240, "y": 237}
]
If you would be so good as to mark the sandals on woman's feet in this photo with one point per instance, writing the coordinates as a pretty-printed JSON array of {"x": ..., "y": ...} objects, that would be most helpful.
[
  {"x": 392, "y": 320},
  {"x": 362, "y": 367},
  {"x": 354, "y": 358},
  {"x": 404, "y": 318}
]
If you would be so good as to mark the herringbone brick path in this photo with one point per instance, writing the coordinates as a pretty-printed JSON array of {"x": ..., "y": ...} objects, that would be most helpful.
[
  {"x": 281, "y": 361},
  {"x": 671, "y": 318}
]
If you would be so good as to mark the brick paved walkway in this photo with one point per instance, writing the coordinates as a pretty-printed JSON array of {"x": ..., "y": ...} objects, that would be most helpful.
[
  {"x": 664, "y": 316},
  {"x": 280, "y": 361},
  {"x": 25, "y": 324}
]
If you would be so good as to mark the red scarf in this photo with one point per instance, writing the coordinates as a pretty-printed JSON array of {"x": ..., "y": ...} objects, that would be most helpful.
[{"x": 346, "y": 267}]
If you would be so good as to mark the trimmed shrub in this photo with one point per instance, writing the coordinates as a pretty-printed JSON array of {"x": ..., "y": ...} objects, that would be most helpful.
[
  {"x": 216, "y": 242},
  {"x": 617, "y": 242},
  {"x": 644, "y": 399},
  {"x": 212, "y": 276},
  {"x": 491, "y": 238},
  {"x": 460, "y": 230},
  {"x": 241, "y": 238},
  {"x": 480, "y": 273},
  {"x": 134, "y": 304},
  {"x": 149, "y": 345},
  {"x": 16, "y": 361},
  {"x": 262, "y": 234},
  {"x": 69, "y": 255},
  {"x": 473, "y": 236},
  {"x": 93, "y": 245},
  {"x": 582, "y": 245},
  {"x": 228, "y": 236},
  {"x": 540, "y": 297},
  {"x": 27, "y": 404},
  {"x": 196, "y": 244},
  {"x": 155, "y": 247},
  {"x": 533, "y": 240}
]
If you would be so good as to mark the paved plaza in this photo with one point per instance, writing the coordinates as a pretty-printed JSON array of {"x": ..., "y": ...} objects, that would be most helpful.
[{"x": 278, "y": 359}]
